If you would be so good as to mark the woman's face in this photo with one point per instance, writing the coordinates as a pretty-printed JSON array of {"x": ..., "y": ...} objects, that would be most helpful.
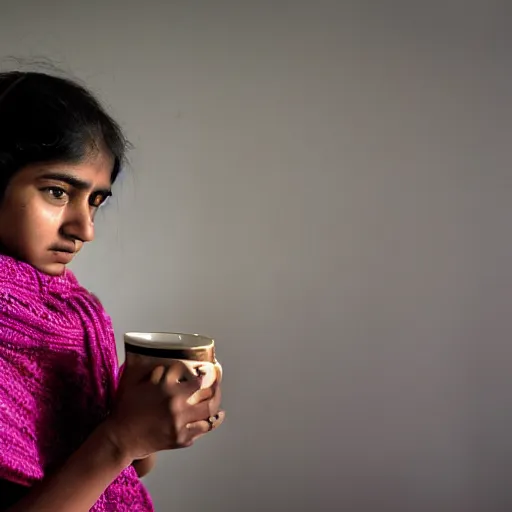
[{"x": 47, "y": 212}]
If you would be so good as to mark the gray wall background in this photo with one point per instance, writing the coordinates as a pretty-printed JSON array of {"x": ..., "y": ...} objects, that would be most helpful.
[{"x": 325, "y": 188}]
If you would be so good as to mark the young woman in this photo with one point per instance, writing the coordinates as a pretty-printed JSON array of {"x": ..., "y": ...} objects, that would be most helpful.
[{"x": 71, "y": 438}]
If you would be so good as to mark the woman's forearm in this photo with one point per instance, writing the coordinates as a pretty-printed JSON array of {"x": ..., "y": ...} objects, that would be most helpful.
[{"x": 82, "y": 479}]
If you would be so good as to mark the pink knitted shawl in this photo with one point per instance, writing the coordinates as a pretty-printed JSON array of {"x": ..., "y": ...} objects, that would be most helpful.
[{"x": 58, "y": 374}]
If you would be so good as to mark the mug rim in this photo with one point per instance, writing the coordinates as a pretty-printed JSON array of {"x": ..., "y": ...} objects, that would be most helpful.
[{"x": 136, "y": 338}]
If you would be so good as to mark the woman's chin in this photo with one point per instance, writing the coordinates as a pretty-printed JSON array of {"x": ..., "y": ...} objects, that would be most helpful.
[{"x": 52, "y": 269}]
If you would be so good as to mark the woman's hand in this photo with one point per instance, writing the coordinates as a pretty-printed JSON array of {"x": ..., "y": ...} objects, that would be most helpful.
[
  {"x": 166, "y": 411},
  {"x": 146, "y": 465},
  {"x": 214, "y": 421}
]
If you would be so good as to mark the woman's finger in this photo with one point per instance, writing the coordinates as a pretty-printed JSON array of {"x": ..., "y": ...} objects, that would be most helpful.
[
  {"x": 180, "y": 374},
  {"x": 202, "y": 427},
  {"x": 157, "y": 375},
  {"x": 198, "y": 412},
  {"x": 200, "y": 396}
]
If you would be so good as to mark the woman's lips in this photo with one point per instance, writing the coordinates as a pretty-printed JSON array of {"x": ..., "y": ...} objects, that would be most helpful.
[{"x": 62, "y": 256}]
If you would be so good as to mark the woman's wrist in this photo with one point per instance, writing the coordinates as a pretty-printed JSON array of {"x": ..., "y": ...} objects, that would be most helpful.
[{"x": 115, "y": 449}]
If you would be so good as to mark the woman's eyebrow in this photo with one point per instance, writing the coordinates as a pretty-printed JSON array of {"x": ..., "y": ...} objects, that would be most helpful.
[{"x": 73, "y": 181}]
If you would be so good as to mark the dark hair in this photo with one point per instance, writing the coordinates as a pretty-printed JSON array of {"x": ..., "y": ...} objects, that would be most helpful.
[{"x": 46, "y": 118}]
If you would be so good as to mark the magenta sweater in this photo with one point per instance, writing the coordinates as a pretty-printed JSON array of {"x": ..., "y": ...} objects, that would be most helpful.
[{"x": 58, "y": 374}]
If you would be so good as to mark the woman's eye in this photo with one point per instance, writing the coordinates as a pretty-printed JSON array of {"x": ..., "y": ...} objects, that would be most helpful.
[
  {"x": 56, "y": 193},
  {"x": 97, "y": 200}
]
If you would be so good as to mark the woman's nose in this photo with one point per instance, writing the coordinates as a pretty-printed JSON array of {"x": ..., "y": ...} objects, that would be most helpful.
[{"x": 79, "y": 224}]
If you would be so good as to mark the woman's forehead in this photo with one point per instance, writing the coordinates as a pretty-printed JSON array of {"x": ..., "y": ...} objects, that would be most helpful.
[{"x": 95, "y": 170}]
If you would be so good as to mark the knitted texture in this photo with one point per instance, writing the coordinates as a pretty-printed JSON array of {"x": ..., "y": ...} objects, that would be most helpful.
[{"x": 58, "y": 375}]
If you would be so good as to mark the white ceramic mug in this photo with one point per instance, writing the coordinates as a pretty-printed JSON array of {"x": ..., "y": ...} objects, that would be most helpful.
[{"x": 147, "y": 350}]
